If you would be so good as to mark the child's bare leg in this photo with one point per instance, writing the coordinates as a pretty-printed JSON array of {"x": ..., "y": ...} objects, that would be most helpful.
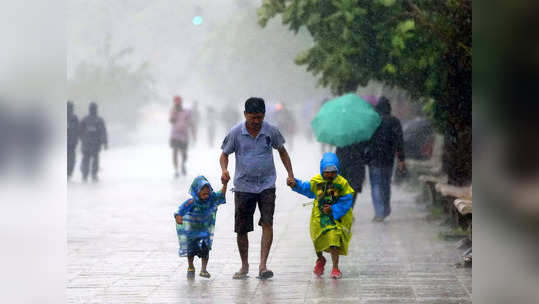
[
  {"x": 320, "y": 256},
  {"x": 335, "y": 257},
  {"x": 190, "y": 259},
  {"x": 204, "y": 264}
]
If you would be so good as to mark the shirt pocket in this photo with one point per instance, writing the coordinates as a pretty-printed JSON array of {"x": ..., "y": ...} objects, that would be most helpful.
[{"x": 263, "y": 145}]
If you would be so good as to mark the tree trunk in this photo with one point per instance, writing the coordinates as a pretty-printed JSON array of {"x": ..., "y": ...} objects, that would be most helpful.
[{"x": 457, "y": 160}]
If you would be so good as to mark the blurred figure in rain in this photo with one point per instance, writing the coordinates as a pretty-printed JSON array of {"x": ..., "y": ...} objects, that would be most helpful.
[
  {"x": 72, "y": 138},
  {"x": 93, "y": 135},
  {"x": 211, "y": 119},
  {"x": 285, "y": 121},
  {"x": 229, "y": 116},
  {"x": 386, "y": 141},
  {"x": 353, "y": 160},
  {"x": 182, "y": 123}
]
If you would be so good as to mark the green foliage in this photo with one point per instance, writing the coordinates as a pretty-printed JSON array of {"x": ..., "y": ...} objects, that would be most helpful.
[{"x": 399, "y": 43}]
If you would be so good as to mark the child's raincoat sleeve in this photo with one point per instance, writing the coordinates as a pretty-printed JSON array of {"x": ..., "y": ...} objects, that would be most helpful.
[
  {"x": 345, "y": 201},
  {"x": 184, "y": 208},
  {"x": 303, "y": 188},
  {"x": 219, "y": 197}
]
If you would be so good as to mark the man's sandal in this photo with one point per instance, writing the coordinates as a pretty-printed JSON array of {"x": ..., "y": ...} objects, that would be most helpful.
[
  {"x": 264, "y": 275},
  {"x": 240, "y": 275},
  {"x": 205, "y": 274}
]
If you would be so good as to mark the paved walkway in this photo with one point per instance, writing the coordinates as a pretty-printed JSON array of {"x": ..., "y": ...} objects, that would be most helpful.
[{"x": 122, "y": 244}]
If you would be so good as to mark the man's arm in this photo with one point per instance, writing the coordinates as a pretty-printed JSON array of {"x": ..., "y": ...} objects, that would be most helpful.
[
  {"x": 285, "y": 158},
  {"x": 223, "y": 160}
]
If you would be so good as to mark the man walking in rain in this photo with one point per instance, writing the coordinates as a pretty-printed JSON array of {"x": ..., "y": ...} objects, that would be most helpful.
[
  {"x": 386, "y": 141},
  {"x": 93, "y": 135},
  {"x": 72, "y": 138},
  {"x": 253, "y": 142},
  {"x": 182, "y": 122}
]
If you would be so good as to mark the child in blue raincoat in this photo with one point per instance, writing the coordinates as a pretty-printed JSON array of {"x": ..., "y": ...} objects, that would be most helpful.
[
  {"x": 331, "y": 215},
  {"x": 195, "y": 222}
]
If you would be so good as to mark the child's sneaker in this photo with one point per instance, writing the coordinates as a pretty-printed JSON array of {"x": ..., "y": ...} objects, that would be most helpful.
[
  {"x": 336, "y": 274},
  {"x": 319, "y": 266}
]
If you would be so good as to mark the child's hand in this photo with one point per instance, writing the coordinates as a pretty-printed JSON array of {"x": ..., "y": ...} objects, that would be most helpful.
[
  {"x": 326, "y": 209},
  {"x": 179, "y": 219},
  {"x": 291, "y": 182}
]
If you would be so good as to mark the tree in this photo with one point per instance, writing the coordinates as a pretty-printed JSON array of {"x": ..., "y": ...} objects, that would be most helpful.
[
  {"x": 421, "y": 46},
  {"x": 121, "y": 89}
]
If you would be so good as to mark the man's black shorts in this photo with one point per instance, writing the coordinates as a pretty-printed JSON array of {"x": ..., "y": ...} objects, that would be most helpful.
[{"x": 245, "y": 208}]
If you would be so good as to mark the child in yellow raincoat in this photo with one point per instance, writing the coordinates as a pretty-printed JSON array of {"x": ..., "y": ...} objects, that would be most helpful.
[{"x": 331, "y": 216}]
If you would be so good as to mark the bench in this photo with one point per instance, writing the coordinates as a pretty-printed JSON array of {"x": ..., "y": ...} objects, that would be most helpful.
[
  {"x": 430, "y": 182},
  {"x": 457, "y": 202}
]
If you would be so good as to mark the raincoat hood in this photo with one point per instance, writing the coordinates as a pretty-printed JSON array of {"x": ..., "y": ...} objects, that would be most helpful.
[
  {"x": 329, "y": 159},
  {"x": 198, "y": 183}
]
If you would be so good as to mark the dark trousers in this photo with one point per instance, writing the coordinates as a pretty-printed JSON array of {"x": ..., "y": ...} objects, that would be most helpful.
[
  {"x": 88, "y": 156},
  {"x": 71, "y": 157},
  {"x": 381, "y": 189}
]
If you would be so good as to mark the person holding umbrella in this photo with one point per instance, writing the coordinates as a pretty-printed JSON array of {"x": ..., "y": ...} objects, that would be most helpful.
[{"x": 348, "y": 122}]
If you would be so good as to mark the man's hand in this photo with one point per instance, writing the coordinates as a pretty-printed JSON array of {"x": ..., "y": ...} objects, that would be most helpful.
[
  {"x": 326, "y": 209},
  {"x": 225, "y": 177},
  {"x": 291, "y": 182},
  {"x": 179, "y": 219}
]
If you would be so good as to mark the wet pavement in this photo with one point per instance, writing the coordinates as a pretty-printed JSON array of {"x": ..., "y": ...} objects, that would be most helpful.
[{"x": 122, "y": 245}]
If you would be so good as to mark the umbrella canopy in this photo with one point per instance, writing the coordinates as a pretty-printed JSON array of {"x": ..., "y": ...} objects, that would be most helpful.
[{"x": 345, "y": 120}]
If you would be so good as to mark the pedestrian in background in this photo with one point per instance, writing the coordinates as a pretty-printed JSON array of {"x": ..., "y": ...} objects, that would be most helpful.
[
  {"x": 384, "y": 145},
  {"x": 182, "y": 122},
  {"x": 72, "y": 138},
  {"x": 93, "y": 135}
]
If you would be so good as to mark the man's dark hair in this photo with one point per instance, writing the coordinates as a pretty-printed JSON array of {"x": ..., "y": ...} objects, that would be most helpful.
[
  {"x": 255, "y": 105},
  {"x": 383, "y": 106}
]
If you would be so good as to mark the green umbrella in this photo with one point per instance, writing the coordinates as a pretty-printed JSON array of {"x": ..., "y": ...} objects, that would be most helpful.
[{"x": 345, "y": 120}]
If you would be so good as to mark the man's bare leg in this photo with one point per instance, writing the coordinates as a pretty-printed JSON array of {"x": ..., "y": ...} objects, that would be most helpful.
[
  {"x": 265, "y": 245},
  {"x": 243, "y": 248}
]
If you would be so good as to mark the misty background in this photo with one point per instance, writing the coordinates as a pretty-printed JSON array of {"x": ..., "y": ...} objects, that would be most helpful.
[{"x": 131, "y": 57}]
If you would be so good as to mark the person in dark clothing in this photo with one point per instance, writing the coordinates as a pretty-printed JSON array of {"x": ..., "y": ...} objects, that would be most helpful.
[
  {"x": 93, "y": 135},
  {"x": 72, "y": 138},
  {"x": 386, "y": 141},
  {"x": 353, "y": 160}
]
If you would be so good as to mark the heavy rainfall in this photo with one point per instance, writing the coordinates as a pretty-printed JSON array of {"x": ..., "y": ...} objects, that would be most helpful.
[{"x": 256, "y": 152}]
